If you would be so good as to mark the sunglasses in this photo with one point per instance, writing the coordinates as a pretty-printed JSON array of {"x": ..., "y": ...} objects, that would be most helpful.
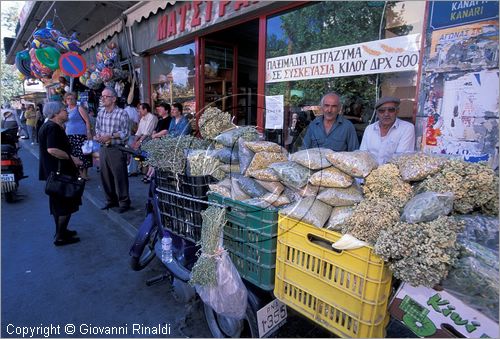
[{"x": 387, "y": 109}]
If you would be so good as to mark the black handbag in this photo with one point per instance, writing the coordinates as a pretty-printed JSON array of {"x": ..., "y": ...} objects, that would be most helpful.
[{"x": 63, "y": 185}]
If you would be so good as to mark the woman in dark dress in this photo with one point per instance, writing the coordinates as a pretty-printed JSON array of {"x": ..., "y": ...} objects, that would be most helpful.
[{"x": 55, "y": 151}]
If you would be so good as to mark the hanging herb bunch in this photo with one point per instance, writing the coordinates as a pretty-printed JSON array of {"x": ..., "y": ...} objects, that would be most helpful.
[
  {"x": 168, "y": 153},
  {"x": 204, "y": 272}
]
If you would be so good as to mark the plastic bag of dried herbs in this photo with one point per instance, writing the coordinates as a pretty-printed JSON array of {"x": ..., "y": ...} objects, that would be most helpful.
[
  {"x": 251, "y": 187},
  {"x": 357, "y": 164},
  {"x": 309, "y": 210},
  {"x": 341, "y": 196},
  {"x": 339, "y": 215},
  {"x": 415, "y": 166},
  {"x": 474, "y": 278},
  {"x": 213, "y": 122},
  {"x": 276, "y": 200},
  {"x": 221, "y": 190},
  {"x": 291, "y": 173},
  {"x": 245, "y": 156},
  {"x": 236, "y": 192},
  {"x": 260, "y": 203},
  {"x": 233, "y": 168},
  {"x": 230, "y": 138},
  {"x": 427, "y": 206},
  {"x": 264, "y": 174},
  {"x": 262, "y": 160},
  {"x": 331, "y": 177},
  {"x": 274, "y": 187},
  {"x": 479, "y": 228},
  {"x": 313, "y": 158},
  {"x": 309, "y": 190},
  {"x": 264, "y": 146},
  {"x": 228, "y": 155}
]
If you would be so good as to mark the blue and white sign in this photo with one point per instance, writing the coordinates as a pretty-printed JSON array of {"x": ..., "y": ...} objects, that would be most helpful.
[{"x": 455, "y": 13}]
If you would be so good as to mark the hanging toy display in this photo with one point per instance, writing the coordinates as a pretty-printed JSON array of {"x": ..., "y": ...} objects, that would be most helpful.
[
  {"x": 38, "y": 69},
  {"x": 23, "y": 63},
  {"x": 48, "y": 56}
]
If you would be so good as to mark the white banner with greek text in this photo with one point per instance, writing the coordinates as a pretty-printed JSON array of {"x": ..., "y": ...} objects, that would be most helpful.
[{"x": 398, "y": 54}]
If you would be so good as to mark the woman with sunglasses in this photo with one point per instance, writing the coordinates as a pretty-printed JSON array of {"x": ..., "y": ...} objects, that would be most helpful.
[{"x": 388, "y": 135}]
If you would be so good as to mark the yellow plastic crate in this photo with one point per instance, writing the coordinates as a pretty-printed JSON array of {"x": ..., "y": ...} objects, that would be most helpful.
[{"x": 346, "y": 292}]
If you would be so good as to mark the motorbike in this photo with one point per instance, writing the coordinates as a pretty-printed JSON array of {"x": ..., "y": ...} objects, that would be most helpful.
[{"x": 12, "y": 165}]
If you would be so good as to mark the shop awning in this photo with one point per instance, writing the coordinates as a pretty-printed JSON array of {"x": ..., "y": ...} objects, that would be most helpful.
[
  {"x": 144, "y": 9},
  {"x": 114, "y": 27}
]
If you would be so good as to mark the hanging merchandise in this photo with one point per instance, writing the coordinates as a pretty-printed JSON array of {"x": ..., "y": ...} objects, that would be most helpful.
[
  {"x": 39, "y": 70},
  {"x": 72, "y": 64},
  {"x": 23, "y": 62},
  {"x": 48, "y": 56}
]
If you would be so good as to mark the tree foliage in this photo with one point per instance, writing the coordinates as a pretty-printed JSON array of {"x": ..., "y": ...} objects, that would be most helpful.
[
  {"x": 326, "y": 25},
  {"x": 12, "y": 84}
]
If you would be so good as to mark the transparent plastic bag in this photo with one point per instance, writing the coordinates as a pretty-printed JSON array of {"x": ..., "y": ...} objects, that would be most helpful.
[
  {"x": 219, "y": 189},
  {"x": 87, "y": 147},
  {"x": 479, "y": 228},
  {"x": 245, "y": 156},
  {"x": 229, "y": 297},
  {"x": 313, "y": 158},
  {"x": 251, "y": 187},
  {"x": 264, "y": 146},
  {"x": 258, "y": 202},
  {"x": 339, "y": 215},
  {"x": 262, "y": 160},
  {"x": 276, "y": 200},
  {"x": 233, "y": 168},
  {"x": 228, "y": 155},
  {"x": 415, "y": 166},
  {"x": 341, "y": 196},
  {"x": 230, "y": 137},
  {"x": 427, "y": 206},
  {"x": 291, "y": 173},
  {"x": 309, "y": 210},
  {"x": 357, "y": 164},
  {"x": 331, "y": 177},
  {"x": 236, "y": 192},
  {"x": 309, "y": 191},
  {"x": 474, "y": 278},
  {"x": 274, "y": 187},
  {"x": 264, "y": 174}
]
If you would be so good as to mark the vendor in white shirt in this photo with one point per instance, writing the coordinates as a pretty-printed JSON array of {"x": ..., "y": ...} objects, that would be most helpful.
[{"x": 389, "y": 134}]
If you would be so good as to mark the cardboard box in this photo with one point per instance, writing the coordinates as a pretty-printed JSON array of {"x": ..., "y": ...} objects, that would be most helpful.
[{"x": 438, "y": 314}]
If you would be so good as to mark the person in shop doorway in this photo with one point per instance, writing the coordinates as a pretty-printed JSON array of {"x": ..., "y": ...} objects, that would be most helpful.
[
  {"x": 164, "y": 120},
  {"x": 179, "y": 125},
  {"x": 146, "y": 127},
  {"x": 331, "y": 130},
  {"x": 31, "y": 119},
  {"x": 389, "y": 135},
  {"x": 55, "y": 155},
  {"x": 112, "y": 130}
]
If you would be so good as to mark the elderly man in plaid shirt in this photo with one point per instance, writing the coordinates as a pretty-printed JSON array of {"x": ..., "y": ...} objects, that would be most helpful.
[{"x": 112, "y": 130}]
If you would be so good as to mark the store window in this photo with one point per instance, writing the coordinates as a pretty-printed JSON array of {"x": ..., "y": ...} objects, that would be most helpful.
[
  {"x": 347, "y": 31},
  {"x": 173, "y": 77}
]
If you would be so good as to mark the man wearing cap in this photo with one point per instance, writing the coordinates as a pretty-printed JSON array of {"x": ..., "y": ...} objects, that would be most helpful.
[
  {"x": 389, "y": 134},
  {"x": 331, "y": 130}
]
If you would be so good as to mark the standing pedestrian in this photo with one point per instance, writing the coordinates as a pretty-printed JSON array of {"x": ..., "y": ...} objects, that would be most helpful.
[
  {"x": 23, "y": 132},
  {"x": 55, "y": 155},
  {"x": 79, "y": 130},
  {"x": 112, "y": 130},
  {"x": 40, "y": 119},
  {"x": 30, "y": 116}
]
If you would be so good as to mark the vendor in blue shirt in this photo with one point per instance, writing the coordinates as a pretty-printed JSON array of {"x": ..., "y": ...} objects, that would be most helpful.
[
  {"x": 331, "y": 130},
  {"x": 180, "y": 124}
]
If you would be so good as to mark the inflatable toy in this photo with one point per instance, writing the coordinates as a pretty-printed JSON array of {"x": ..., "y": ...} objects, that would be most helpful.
[
  {"x": 48, "y": 56},
  {"x": 106, "y": 74},
  {"x": 39, "y": 70},
  {"x": 23, "y": 63},
  {"x": 69, "y": 44}
]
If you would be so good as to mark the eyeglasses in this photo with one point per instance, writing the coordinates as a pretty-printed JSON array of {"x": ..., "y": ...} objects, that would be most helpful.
[
  {"x": 387, "y": 109},
  {"x": 107, "y": 96}
]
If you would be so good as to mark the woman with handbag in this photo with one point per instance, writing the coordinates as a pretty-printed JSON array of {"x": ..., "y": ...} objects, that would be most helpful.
[
  {"x": 78, "y": 130},
  {"x": 55, "y": 156}
]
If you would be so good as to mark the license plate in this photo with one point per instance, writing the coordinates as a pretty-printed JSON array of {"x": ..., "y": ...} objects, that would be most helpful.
[
  {"x": 8, "y": 177},
  {"x": 271, "y": 317}
]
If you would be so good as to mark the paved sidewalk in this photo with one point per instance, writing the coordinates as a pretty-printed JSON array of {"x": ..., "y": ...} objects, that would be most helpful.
[{"x": 94, "y": 194}]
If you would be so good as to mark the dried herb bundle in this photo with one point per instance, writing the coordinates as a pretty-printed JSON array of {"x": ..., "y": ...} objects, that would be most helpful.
[
  {"x": 168, "y": 153},
  {"x": 371, "y": 217},
  {"x": 204, "y": 271},
  {"x": 421, "y": 253},
  {"x": 475, "y": 186},
  {"x": 386, "y": 182},
  {"x": 213, "y": 122}
]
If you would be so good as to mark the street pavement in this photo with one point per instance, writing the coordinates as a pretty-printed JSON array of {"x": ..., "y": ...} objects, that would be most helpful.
[{"x": 98, "y": 283}]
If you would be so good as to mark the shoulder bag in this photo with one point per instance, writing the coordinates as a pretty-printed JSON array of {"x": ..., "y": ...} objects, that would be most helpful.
[{"x": 63, "y": 185}]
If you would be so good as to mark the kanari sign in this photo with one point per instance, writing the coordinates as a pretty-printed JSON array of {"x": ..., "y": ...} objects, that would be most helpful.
[{"x": 190, "y": 16}]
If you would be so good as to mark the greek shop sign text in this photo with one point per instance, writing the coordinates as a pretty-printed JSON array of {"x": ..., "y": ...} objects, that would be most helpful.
[{"x": 389, "y": 55}]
